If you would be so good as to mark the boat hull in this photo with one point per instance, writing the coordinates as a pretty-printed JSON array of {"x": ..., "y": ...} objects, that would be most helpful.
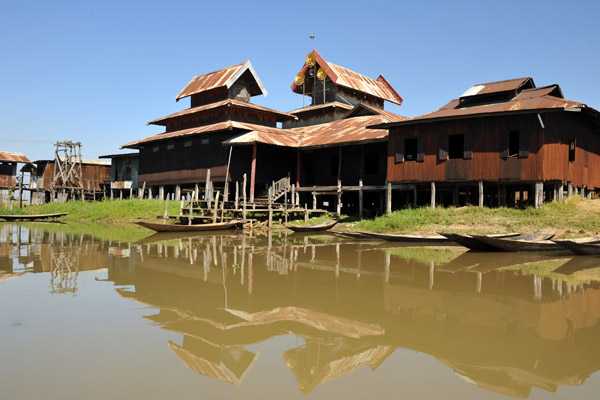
[
  {"x": 514, "y": 245},
  {"x": 219, "y": 226},
  {"x": 32, "y": 217},
  {"x": 322, "y": 226},
  {"x": 472, "y": 243},
  {"x": 586, "y": 249}
]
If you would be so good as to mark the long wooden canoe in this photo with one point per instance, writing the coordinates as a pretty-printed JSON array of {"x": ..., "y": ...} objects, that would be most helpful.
[
  {"x": 472, "y": 243},
  {"x": 584, "y": 246},
  {"x": 31, "y": 217},
  {"x": 189, "y": 228},
  {"x": 321, "y": 226},
  {"x": 393, "y": 237},
  {"x": 510, "y": 244}
]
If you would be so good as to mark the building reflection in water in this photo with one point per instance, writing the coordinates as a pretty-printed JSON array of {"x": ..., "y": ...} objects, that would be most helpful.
[{"x": 506, "y": 323}]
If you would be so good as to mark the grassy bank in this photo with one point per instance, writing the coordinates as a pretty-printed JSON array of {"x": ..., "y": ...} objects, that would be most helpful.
[
  {"x": 575, "y": 217},
  {"x": 109, "y": 211}
]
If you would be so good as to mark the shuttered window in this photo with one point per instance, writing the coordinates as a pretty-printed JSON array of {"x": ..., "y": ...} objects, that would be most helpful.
[
  {"x": 524, "y": 144},
  {"x": 421, "y": 149},
  {"x": 443, "y": 148},
  {"x": 468, "y": 146},
  {"x": 399, "y": 151}
]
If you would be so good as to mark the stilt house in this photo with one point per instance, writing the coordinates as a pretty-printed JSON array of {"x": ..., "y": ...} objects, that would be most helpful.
[
  {"x": 8, "y": 173},
  {"x": 500, "y": 143},
  {"x": 192, "y": 144},
  {"x": 124, "y": 174},
  {"x": 335, "y": 162}
]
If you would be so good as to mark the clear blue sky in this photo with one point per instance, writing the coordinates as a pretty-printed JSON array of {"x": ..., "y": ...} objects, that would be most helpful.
[{"x": 97, "y": 72}]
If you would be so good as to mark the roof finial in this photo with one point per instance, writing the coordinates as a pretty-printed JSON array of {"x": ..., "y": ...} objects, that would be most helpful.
[{"x": 312, "y": 36}]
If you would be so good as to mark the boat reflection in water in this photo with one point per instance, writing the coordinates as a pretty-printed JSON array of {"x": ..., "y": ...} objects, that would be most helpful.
[{"x": 506, "y": 323}]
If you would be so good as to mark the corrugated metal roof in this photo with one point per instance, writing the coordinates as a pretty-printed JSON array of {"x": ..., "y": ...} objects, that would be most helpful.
[
  {"x": 223, "y": 103},
  {"x": 498, "y": 86},
  {"x": 9, "y": 156},
  {"x": 343, "y": 131},
  {"x": 339, "y": 75},
  {"x": 222, "y": 78},
  {"x": 333, "y": 104},
  {"x": 534, "y": 100},
  {"x": 120, "y": 155}
]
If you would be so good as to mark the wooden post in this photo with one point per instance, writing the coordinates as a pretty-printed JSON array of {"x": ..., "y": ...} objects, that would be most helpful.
[
  {"x": 569, "y": 189},
  {"x": 270, "y": 209},
  {"x": 237, "y": 190},
  {"x": 455, "y": 195},
  {"x": 191, "y": 212},
  {"x": 561, "y": 192},
  {"x": 226, "y": 189},
  {"x": 207, "y": 188},
  {"x": 161, "y": 193},
  {"x": 305, "y": 213},
  {"x": 177, "y": 192},
  {"x": 196, "y": 192},
  {"x": 389, "y": 198},
  {"x": 415, "y": 196},
  {"x": 285, "y": 202},
  {"x": 141, "y": 195},
  {"x": 216, "y": 207},
  {"x": 21, "y": 190},
  {"x": 298, "y": 167},
  {"x": 244, "y": 194},
  {"x": 112, "y": 194},
  {"x": 253, "y": 173},
  {"x": 180, "y": 208},
  {"x": 293, "y": 199},
  {"x": 480, "y": 184},
  {"x": 339, "y": 204},
  {"x": 150, "y": 194},
  {"x": 131, "y": 193},
  {"x": 314, "y": 205},
  {"x": 432, "y": 195},
  {"x": 166, "y": 214}
]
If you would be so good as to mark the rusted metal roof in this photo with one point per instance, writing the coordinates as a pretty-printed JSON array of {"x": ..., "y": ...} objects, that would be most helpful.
[
  {"x": 120, "y": 155},
  {"x": 222, "y": 78},
  {"x": 341, "y": 76},
  {"x": 224, "y": 103},
  {"x": 343, "y": 131},
  {"x": 8, "y": 156},
  {"x": 499, "y": 86},
  {"x": 527, "y": 100},
  {"x": 333, "y": 104}
]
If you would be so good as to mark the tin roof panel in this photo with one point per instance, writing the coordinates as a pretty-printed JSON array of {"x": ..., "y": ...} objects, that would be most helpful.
[{"x": 9, "y": 156}]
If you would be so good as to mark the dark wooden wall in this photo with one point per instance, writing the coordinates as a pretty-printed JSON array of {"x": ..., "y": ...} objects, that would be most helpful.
[
  {"x": 96, "y": 175},
  {"x": 547, "y": 157},
  {"x": 7, "y": 175},
  {"x": 319, "y": 166}
]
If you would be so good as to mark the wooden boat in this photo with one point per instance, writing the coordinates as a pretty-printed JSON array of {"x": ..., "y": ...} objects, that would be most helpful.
[
  {"x": 393, "y": 237},
  {"x": 321, "y": 226},
  {"x": 218, "y": 226},
  {"x": 584, "y": 246},
  {"x": 352, "y": 234},
  {"x": 31, "y": 217},
  {"x": 512, "y": 244},
  {"x": 472, "y": 243}
]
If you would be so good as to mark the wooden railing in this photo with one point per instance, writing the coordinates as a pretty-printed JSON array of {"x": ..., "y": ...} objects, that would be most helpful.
[{"x": 279, "y": 188}]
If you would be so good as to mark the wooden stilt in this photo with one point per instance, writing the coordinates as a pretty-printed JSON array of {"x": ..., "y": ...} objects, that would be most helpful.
[
  {"x": 253, "y": 173},
  {"x": 389, "y": 198},
  {"x": 216, "y": 207},
  {"x": 237, "y": 190},
  {"x": 161, "y": 193},
  {"x": 432, "y": 195},
  {"x": 314, "y": 205},
  {"x": 270, "y": 223},
  {"x": 244, "y": 195},
  {"x": 191, "y": 211},
  {"x": 305, "y": 213},
  {"x": 166, "y": 214},
  {"x": 480, "y": 185},
  {"x": 177, "y": 192}
]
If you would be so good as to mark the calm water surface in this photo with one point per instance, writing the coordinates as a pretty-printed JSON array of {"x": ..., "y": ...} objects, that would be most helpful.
[{"x": 231, "y": 316}]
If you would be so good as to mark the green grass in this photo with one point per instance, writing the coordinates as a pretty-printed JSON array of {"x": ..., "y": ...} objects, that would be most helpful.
[
  {"x": 109, "y": 211},
  {"x": 573, "y": 216}
]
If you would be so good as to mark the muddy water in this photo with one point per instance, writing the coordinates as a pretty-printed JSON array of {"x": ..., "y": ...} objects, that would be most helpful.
[{"x": 227, "y": 316}]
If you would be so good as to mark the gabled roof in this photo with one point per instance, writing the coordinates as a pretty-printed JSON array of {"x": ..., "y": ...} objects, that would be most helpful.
[
  {"x": 350, "y": 129},
  {"x": 225, "y": 77},
  {"x": 9, "y": 156},
  {"x": 547, "y": 98},
  {"x": 499, "y": 87},
  {"x": 224, "y": 103},
  {"x": 345, "y": 77},
  {"x": 333, "y": 104}
]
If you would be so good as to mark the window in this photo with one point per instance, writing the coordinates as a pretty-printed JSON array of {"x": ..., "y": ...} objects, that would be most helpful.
[
  {"x": 371, "y": 163},
  {"x": 410, "y": 149},
  {"x": 156, "y": 148},
  {"x": 456, "y": 146},
  {"x": 572, "y": 150},
  {"x": 170, "y": 145},
  {"x": 204, "y": 141},
  {"x": 513, "y": 143},
  {"x": 187, "y": 143}
]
